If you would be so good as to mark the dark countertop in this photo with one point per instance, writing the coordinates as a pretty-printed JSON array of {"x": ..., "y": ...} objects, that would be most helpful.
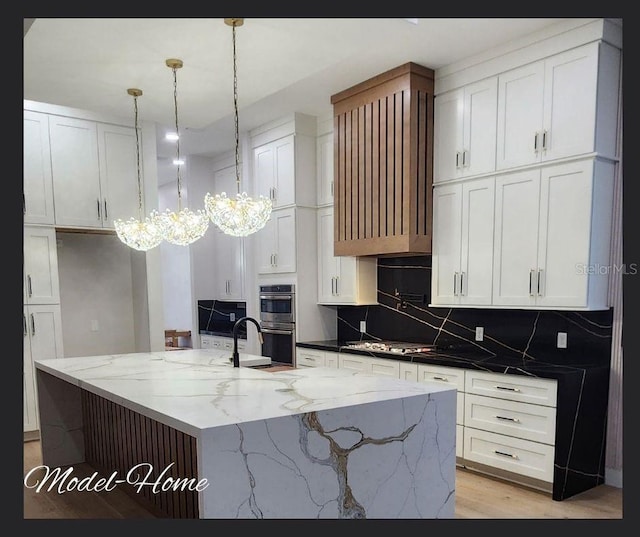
[{"x": 468, "y": 357}]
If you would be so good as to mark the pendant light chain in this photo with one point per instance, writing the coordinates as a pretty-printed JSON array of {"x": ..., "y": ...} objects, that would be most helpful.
[
  {"x": 235, "y": 107},
  {"x": 135, "y": 108},
  {"x": 175, "y": 107}
]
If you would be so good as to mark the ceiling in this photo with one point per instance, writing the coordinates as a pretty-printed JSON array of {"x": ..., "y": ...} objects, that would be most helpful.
[{"x": 284, "y": 65}]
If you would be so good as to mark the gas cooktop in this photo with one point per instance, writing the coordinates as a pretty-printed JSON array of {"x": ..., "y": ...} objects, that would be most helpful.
[{"x": 393, "y": 347}]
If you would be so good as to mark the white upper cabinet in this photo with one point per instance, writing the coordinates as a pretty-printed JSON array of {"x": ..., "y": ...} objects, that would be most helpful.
[
  {"x": 277, "y": 243},
  {"x": 228, "y": 259},
  {"x": 274, "y": 171},
  {"x": 343, "y": 279},
  {"x": 465, "y": 131},
  {"x": 94, "y": 172},
  {"x": 562, "y": 106},
  {"x": 324, "y": 151},
  {"x": 552, "y": 236},
  {"x": 37, "y": 180},
  {"x": 41, "y": 283},
  {"x": 462, "y": 252}
]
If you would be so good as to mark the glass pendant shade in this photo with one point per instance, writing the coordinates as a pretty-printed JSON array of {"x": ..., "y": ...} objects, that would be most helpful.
[
  {"x": 142, "y": 234},
  {"x": 242, "y": 215},
  {"x": 239, "y": 216},
  {"x": 182, "y": 227}
]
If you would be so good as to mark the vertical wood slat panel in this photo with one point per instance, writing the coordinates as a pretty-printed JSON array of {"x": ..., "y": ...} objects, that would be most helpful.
[
  {"x": 391, "y": 148},
  {"x": 362, "y": 156},
  {"x": 338, "y": 171},
  {"x": 400, "y": 162},
  {"x": 348, "y": 235},
  {"x": 421, "y": 156},
  {"x": 355, "y": 176},
  {"x": 368, "y": 187},
  {"x": 375, "y": 168},
  {"x": 117, "y": 439},
  {"x": 382, "y": 171}
]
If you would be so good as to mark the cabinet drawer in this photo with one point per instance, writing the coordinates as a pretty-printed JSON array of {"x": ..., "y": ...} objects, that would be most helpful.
[
  {"x": 511, "y": 454},
  {"x": 309, "y": 358},
  {"x": 513, "y": 387},
  {"x": 521, "y": 420},
  {"x": 388, "y": 368},
  {"x": 206, "y": 342},
  {"x": 442, "y": 374},
  {"x": 351, "y": 361}
]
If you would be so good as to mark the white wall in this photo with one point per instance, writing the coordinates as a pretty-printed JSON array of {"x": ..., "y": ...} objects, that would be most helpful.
[{"x": 95, "y": 273}]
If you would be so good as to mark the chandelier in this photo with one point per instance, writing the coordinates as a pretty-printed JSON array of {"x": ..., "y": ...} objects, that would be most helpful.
[
  {"x": 242, "y": 215},
  {"x": 142, "y": 234},
  {"x": 184, "y": 226}
]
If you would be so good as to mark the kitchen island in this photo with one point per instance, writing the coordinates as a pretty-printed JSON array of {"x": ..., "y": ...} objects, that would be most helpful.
[{"x": 190, "y": 436}]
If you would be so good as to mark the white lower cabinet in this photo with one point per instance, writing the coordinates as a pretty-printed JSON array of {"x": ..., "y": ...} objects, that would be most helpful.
[
  {"x": 316, "y": 358},
  {"x": 505, "y": 424},
  {"x": 221, "y": 343}
]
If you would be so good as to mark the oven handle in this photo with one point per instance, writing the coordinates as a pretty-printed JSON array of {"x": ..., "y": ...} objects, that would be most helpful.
[
  {"x": 279, "y": 297},
  {"x": 282, "y": 332}
]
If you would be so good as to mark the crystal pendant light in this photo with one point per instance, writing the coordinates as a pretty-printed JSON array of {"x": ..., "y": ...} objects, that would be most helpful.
[
  {"x": 184, "y": 226},
  {"x": 242, "y": 215},
  {"x": 142, "y": 234}
]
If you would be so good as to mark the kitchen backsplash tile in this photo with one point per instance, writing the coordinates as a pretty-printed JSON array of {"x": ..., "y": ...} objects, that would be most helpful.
[{"x": 403, "y": 314}]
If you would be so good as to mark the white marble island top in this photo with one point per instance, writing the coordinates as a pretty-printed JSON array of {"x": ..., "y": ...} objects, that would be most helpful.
[{"x": 198, "y": 390}]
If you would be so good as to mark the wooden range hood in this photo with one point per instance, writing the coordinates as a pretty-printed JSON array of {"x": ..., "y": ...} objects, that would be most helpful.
[{"x": 383, "y": 164}]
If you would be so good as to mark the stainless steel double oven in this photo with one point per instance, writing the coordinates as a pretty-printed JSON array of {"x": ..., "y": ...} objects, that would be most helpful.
[{"x": 278, "y": 322}]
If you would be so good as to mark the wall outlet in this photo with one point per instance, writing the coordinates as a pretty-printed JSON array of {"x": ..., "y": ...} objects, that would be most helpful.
[
  {"x": 232, "y": 317},
  {"x": 562, "y": 340},
  {"x": 94, "y": 325},
  {"x": 479, "y": 333},
  {"x": 363, "y": 326}
]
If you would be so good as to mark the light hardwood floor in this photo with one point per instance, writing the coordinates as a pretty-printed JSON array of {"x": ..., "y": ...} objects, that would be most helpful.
[{"x": 477, "y": 497}]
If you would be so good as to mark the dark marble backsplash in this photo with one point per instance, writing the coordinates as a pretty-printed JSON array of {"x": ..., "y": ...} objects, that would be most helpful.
[{"x": 403, "y": 314}]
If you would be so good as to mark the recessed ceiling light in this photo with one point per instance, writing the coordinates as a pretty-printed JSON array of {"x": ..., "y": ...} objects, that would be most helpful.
[{"x": 171, "y": 136}]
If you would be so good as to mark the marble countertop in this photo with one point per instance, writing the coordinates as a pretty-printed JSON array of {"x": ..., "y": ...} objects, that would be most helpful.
[{"x": 196, "y": 390}]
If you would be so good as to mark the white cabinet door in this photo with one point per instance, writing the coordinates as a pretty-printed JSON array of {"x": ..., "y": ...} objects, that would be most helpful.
[
  {"x": 447, "y": 243},
  {"x": 571, "y": 81},
  {"x": 37, "y": 179},
  {"x": 520, "y": 113},
  {"x": 42, "y": 335},
  {"x": 274, "y": 171},
  {"x": 229, "y": 265},
  {"x": 354, "y": 362},
  {"x": 516, "y": 238},
  {"x": 327, "y": 262},
  {"x": 324, "y": 156},
  {"x": 118, "y": 173},
  {"x": 564, "y": 234},
  {"x": 448, "y": 139},
  {"x": 309, "y": 357},
  {"x": 277, "y": 243},
  {"x": 41, "y": 285},
  {"x": 465, "y": 121},
  {"x": 479, "y": 127},
  {"x": 476, "y": 260},
  {"x": 76, "y": 172}
]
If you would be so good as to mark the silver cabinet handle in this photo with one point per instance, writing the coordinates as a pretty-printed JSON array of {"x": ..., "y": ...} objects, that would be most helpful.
[
  {"x": 455, "y": 284},
  {"x": 24, "y": 205},
  {"x": 310, "y": 358},
  {"x": 531, "y": 282},
  {"x": 507, "y": 388},
  {"x": 98, "y": 204},
  {"x": 461, "y": 284},
  {"x": 331, "y": 188},
  {"x": 505, "y": 454},
  {"x": 337, "y": 285},
  {"x": 24, "y": 325},
  {"x": 443, "y": 379},
  {"x": 535, "y": 142},
  {"x": 539, "y": 282},
  {"x": 515, "y": 420},
  {"x": 458, "y": 160},
  {"x": 333, "y": 287},
  {"x": 33, "y": 325},
  {"x": 275, "y": 260},
  {"x": 464, "y": 158},
  {"x": 106, "y": 214},
  {"x": 29, "y": 285},
  {"x": 544, "y": 140}
]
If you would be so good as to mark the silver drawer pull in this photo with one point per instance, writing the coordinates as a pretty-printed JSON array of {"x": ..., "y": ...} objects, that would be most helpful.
[
  {"x": 505, "y": 454},
  {"x": 516, "y": 420},
  {"x": 445, "y": 379},
  {"x": 310, "y": 358},
  {"x": 506, "y": 388}
]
